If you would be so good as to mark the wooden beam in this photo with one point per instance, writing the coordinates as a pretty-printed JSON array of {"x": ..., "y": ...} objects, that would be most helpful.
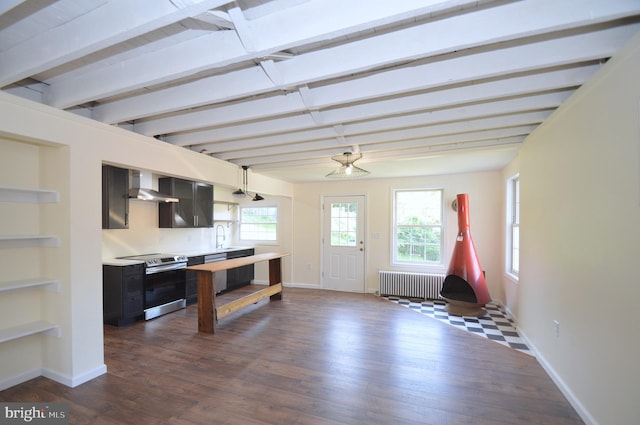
[
  {"x": 288, "y": 103},
  {"x": 395, "y": 47},
  {"x": 102, "y": 27},
  {"x": 206, "y": 303},
  {"x": 247, "y": 300}
]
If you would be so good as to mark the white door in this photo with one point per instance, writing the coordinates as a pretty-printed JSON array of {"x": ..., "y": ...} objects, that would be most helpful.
[{"x": 343, "y": 243}]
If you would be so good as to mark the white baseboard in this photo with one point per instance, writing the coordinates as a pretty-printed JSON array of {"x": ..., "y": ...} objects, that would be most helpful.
[
  {"x": 303, "y": 285},
  {"x": 74, "y": 381},
  {"x": 19, "y": 379},
  {"x": 566, "y": 391},
  {"x": 55, "y": 376},
  {"x": 290, "y": 285}
]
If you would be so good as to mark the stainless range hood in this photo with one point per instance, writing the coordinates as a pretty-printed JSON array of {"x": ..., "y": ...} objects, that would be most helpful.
[{"x": 143, "y": 191}]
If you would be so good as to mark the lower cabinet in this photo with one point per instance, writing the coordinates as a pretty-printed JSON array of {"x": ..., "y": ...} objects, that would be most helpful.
[
  {"x": 191, "y": 279},
  {"x": 122, "y": 294},
  {"x": 240, "y": 276},
  {"x": 123, "y": 287}
]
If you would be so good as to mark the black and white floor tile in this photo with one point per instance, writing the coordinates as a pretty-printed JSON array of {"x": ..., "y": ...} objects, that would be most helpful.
[{"x": 496, "y": 325}]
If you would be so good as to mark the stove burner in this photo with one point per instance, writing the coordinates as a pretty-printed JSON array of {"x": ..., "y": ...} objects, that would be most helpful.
[{"x": 157, "y": 259}]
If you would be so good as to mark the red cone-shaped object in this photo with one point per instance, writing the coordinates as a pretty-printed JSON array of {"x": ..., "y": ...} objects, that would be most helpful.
[{"x": 464, "y": 263}]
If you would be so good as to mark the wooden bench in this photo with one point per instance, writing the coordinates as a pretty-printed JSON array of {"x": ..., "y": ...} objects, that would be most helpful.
[{"x": 208, "y": 312}]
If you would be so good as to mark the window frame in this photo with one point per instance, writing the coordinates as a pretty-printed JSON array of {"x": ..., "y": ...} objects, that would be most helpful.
[
  {"x": 512, "y": 223},
  {"x": 419, "y": 265},
  {"x": 259, "y": 241}
]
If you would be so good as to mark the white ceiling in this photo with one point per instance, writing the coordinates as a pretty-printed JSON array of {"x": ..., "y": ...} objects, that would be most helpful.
[{"x": 417, "y": 86}]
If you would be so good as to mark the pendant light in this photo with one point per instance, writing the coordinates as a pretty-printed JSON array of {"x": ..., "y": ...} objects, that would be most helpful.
[
  {"x": 347, "y": 169},
  {"x": 243, "y": 192}
]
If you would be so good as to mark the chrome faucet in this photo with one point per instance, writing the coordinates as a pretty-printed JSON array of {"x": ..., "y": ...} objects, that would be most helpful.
[{"x": 218, "y": 243}]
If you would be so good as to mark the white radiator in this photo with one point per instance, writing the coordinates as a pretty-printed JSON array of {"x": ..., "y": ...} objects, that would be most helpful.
[{"x": 409, "y": 284}]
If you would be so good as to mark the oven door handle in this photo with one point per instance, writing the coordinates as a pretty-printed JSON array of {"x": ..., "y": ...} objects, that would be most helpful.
[{"x": 165, "y": 268}]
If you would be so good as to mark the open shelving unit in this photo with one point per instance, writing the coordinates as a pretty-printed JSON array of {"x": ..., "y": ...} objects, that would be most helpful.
[
  {"x": 21, "y": 241},
  {"x": 32, "y": 328},
  {"x": 38, "y": 196},
  {"x": 15, "y": 194},
  {"x": 230, "y": 205},
  {"x": 44, "y": 283}
]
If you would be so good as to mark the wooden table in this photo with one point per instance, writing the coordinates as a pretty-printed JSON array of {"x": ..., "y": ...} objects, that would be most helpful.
[{"x": 208, "y": 312}]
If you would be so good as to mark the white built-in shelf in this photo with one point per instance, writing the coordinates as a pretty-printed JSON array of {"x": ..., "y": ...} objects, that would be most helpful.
[
  {"x": 44, "y": 283},
  {"x": 15, "y": 194},
  {"x": 20, "y": 331},
  {"x": 21, "y": 241}
]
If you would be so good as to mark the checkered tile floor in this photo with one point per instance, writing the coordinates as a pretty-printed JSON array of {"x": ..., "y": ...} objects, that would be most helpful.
[{"x": 496, "y": 325}]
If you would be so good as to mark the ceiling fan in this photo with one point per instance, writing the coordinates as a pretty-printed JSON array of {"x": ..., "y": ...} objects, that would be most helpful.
[{"x": 347, "y": 169}]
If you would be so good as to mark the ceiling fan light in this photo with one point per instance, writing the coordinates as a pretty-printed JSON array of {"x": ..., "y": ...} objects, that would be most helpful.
[{"x": 347, "y": 169}]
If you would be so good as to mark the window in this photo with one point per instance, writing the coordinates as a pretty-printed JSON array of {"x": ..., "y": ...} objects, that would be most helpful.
[
  {"x": 344, "y": 224},
  {"x": 417, "y": 234},
  {"x": 259, "y": 224},
  {"x": 513, "y": 224}
]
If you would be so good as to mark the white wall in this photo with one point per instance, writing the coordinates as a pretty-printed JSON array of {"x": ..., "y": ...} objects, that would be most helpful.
[
  {"x": 580, "y": 229},
  {"x": 484, "y": 200}
]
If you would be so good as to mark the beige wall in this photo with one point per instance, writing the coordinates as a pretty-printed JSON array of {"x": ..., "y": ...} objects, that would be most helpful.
[
  {"x": 72, "y": 165},
  {"x": 580, "y": 227},
  {"x": 485, "y": 199}
]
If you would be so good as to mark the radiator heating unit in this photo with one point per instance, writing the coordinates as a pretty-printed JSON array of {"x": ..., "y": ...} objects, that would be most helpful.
[{"x": 412, "y": 285}]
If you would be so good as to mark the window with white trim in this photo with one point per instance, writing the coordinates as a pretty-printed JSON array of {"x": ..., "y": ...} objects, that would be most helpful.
[
  {"x": 259, "y": 224},
  {"x": 513, "y": 226},
  {"x": 417, "y": 226}
]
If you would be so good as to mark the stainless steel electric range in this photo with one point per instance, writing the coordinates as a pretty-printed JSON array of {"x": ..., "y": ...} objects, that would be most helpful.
[{"x": 164, "y": 283}]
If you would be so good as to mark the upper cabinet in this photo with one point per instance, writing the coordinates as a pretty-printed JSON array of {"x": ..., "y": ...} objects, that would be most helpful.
[
  {"x": 115, "y": 197},
  {"x": 195, "y": 208}
]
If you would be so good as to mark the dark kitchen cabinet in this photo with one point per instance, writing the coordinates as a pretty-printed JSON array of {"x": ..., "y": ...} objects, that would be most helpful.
[
  {"x": 203, "y": 204},
  {"x": 191, "y": 280},
  {"x": 240, "y": 276},
  {"x": 122, "y": 294},
  {"x": 195, "y": 208},
  {"x": 115, "y": 197}
]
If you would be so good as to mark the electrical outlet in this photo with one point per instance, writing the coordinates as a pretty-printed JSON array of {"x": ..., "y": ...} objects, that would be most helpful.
[{"x": 556, "y": 328}]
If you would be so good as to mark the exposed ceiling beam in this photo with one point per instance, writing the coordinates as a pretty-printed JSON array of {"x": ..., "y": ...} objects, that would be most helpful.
[
  {"x": 213, "y": 51},
  {"x": 324, "y": 159},
  {"x": 509, "y": 22},
  {"x": 7, "y": 5},
  {"x": 289, "y": 103},
  {"x": 396, "y": 136},
  {"x": 527, "y": 57},
  {"x": 274, "y": 144},
  {"x": 109, "y": 24},
  {"x": 266, "y": 154}
]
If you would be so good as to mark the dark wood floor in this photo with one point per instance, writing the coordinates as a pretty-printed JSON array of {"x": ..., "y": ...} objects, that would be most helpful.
[{"x": 317, "y": 357}]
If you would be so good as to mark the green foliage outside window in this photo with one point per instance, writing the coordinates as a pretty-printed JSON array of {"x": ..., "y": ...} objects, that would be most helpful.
[{"x": 418, "y": 226}]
